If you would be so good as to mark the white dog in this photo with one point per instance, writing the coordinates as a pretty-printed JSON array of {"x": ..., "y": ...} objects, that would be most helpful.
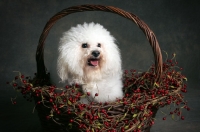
[{"x": 89, "y": 56}]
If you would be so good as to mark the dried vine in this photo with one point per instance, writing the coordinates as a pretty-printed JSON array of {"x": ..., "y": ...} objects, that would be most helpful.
[{"x": 134, "y": 112}]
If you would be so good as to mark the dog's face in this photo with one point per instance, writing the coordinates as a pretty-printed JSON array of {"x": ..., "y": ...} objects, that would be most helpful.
[
  {"x": 92, "y": 59},
  {"x": 88, "y": 52},
  {"x": 92, "y": 55}
]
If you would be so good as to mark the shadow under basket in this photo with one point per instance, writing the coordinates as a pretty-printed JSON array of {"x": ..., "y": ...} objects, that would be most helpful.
[{"x": 60, "y": 110}]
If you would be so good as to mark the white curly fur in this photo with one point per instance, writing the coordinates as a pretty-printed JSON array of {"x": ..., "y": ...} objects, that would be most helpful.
[{"x": 105, "y": 78}]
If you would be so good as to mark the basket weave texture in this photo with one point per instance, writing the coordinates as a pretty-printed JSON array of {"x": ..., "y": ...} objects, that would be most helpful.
[{"x": 59, "y": 109}]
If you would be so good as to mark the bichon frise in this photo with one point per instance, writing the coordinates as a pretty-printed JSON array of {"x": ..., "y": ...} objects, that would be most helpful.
[{"x": 89, "y": 56}]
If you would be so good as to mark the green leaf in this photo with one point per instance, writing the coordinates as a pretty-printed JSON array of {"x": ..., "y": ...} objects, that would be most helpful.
[
  {"x": 134, "y": 115},
  {"x": 99, "y": 115},
  {"x": 109, "y": 108},
  {"x": 163, "y": 112},
  {"x": 79, "y": 120},
  {"x": 70, "y": 125},
  {"x": 154, "y": 103},
  {"x": 58, "y": 98},
  {"x": 69, "y": 102},
  {"x": 126, "y": 127},
  {"x": 123, "y": 117},
  {"x": 172, "y": 87},
  {"x": 173, "y": 116},
  {"x": 157, "y": 85},
  {"x": 83, "y": 96},
  {"x": 81, "y": 115},
  {"x": 169, "y": 76},
  {"x": 98, "y": 124},
  {"x": 132, "y": 105},
  {"x": 185, "y": 78}
]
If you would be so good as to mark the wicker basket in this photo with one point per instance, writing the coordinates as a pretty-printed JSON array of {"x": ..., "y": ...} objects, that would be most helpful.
[{"x": 135, "y": 112}]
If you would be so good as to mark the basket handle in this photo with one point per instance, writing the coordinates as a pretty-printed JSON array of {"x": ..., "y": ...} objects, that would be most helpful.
[{"x": 41, "y": 70}]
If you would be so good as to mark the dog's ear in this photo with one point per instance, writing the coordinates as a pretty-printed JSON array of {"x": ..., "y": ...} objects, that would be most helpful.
[
  {"x": 62, "y": 69},
  {"x": 113, "y": 59}
]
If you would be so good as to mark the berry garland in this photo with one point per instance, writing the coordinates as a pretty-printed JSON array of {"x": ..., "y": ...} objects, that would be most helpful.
[{"x": 134, "y": 112}]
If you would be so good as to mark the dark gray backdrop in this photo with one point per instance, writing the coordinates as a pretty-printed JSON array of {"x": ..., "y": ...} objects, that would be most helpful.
[{"x": 175, "y": 23}]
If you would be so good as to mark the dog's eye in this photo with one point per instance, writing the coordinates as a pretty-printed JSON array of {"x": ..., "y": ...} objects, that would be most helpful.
[
  {"x": 98, "y": 45},
  {"x": 84, "y": 45}
]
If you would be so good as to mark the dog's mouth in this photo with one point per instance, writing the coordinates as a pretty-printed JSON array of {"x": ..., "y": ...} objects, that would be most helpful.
[{"x": 93, "y": 62}]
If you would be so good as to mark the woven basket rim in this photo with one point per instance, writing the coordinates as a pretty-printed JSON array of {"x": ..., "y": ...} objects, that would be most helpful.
[{"x": 41, "y": 69}]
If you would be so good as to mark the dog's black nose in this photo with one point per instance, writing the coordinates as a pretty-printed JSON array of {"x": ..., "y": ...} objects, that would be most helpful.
[{"x": 95, "y": 53}]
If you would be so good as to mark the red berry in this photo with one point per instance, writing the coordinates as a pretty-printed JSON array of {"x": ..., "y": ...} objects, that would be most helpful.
[
  {"x": 47, "y": 117},
  {"x": 125, "y": 102},
  {"x": 122, "y": 129},
  {"x": 169, "y": 61},
  {"x": 168, "y": 102},
  {"x": 141, "y": 107},
  {"x": 14, "y": 84},
  {"x": 106, "y": 103},
  {"x": 71, "y": 120},
  {"x": 103, "y": 110},
  {"x": 58, "y": 112},
  {"x": 164, "y": 118},
  {"x": 125, "y": 71},
  {"x": 96, "y": 117},
  {"x": 152, "y": 122},
  {"x": 76, "y": 85},
  {"x": 50, "y": 100},
  {"x": 182, "y": 117},
  {"x": 96, "y": 94},
  {"x": 88, "y": 93},
  {"x": 126, "y": 121},
  {"x": 89, "y": 107},
  {"x": 177, "y": 103},
  {"x": 150, "y": 112},
  {"x": 80, "y": 126},
  {"x": 106, "y": 123}
]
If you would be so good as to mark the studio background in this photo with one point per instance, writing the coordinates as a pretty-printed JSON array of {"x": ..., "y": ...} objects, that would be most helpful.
[{"x": 174, "y": 22}]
